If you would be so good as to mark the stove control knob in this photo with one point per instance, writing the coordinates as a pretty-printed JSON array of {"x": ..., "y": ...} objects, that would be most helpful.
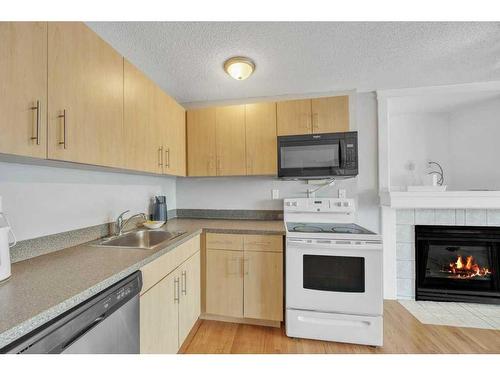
[
  {"x": 346, "y": 204},
  {"x": 339, "y": 204}
]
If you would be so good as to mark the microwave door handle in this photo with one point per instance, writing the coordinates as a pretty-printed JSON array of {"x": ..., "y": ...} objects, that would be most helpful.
[{"x": 342, "y": 155}]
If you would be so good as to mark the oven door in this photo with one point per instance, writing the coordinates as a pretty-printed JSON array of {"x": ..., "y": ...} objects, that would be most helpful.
[
  {"x": 317, "y": 155},
  {"x": 334, "y": 276}
]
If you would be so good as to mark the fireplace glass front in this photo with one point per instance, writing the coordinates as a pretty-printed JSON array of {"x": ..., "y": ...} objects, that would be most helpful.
[{"x": 455, "y": 263}]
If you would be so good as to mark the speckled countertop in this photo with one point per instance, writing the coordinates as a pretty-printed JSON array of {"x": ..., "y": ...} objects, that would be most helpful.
[{"x": 43, "y": 287}]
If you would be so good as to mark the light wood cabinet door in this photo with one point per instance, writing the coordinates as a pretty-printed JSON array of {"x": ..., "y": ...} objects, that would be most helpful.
[
  {"x": 175, "y": 139},
  {"x": 263, "y": 285},
  {"x": 294, "y": 117},
  {"x": 201, "y": 150},
  {"x": 224, "y": 283},
  {"x": 261, "y": 148},
  {"x": 330, "y": 115},
  {"x": 85, "y": 96},
  {"x": 230, "y": 140},
  {"x": 141, "y": 130},
  {"x": 23, "y": 88},
  {"x": 159, "y": 317},
  {"x": 190, "y": 300}
]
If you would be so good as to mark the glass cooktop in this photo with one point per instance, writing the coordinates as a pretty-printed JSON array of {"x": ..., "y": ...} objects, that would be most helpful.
[{"x": 340, "y": 228}]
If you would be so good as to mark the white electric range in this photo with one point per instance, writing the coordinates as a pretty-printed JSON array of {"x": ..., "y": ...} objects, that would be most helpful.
[{"x": 333, "y": 273}]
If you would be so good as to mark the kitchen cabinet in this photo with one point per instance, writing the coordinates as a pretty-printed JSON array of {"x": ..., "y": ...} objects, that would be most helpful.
[
  {"x": 245, "y": 282},
  {"x": 313, "y": 116},
  {"x": 173, "y": 134},
  {"x": 330, "y": 115},
  {"x": 230, "y": 140},
  {"x": 85, "y": 97},
  {"x": 140, "y": 130},
  {"x": 294, "y": 117},
  {"x": 23, "y": 88},
  {"x": 224, "y": 283},
  {"x": 190, "y": 292},
  {"x": 170, "y": 298},
  {"x": 201, "y": 150},
  {"x": 260, "y": 138},
  {"x": 263, "y": 285},
  {"x": 159, "y": 314}
]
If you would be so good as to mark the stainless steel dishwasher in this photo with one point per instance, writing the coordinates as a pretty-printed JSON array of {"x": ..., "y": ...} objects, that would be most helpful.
[{"x": 106, "y": 323}]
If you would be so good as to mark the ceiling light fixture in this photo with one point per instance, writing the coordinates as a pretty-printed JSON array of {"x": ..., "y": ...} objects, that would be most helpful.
[{"x": 239, "y": 68}]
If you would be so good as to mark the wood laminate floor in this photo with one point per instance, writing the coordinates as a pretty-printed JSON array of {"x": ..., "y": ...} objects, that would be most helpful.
[{"x": 402, "y": 334}]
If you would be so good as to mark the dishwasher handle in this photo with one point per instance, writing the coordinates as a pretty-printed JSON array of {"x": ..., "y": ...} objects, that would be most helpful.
[{"x": 83, "y": 331}]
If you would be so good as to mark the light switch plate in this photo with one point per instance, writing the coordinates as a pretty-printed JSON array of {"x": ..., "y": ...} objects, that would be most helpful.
[{"x": 275, "y": 193}]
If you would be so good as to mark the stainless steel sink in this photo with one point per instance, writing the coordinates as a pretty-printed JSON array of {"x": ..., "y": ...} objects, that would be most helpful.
[{"x": 141, "y": 239}]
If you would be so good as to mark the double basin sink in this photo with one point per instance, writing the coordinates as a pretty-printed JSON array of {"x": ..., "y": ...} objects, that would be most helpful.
[{"x": 141, "y": 239}]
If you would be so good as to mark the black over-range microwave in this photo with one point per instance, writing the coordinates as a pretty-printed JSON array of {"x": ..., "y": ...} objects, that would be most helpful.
[{"x": 316, "y": 156}]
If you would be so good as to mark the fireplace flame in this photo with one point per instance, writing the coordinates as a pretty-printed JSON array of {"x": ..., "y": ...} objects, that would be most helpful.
[{"x": 467, "y": 268}]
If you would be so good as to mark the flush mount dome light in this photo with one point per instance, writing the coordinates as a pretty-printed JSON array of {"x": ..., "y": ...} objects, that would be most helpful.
[{"x": 239, "y": 68}]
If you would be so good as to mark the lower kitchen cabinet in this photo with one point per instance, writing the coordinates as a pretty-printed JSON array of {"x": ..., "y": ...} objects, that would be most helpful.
[
  {"x": 247, "y": 281},
  {"x": 189, "y": 301},
  {"x": 224, "y": 283},
  {"x": 170, "y": 307},
  {"x": 159, "y": 311},
  {"x": 263, "y": 285}
]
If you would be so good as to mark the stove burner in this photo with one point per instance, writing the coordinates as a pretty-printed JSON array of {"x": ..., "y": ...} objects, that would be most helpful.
[
  {"x": 307, "y": 228},
  {"x": 348, "y": 230}
]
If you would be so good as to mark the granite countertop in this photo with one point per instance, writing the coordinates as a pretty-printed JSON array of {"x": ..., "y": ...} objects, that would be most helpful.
[{"x": 43, "y": 287}]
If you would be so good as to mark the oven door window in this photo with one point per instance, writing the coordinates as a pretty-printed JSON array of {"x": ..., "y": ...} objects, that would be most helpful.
[
  {"x": 334, "y": 273},
  {"x": 310, "y": 156}
]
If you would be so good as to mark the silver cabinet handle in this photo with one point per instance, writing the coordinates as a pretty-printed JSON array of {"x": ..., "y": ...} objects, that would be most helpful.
[
  {"x": 37, "y": 136},
  {"x": 218, "y": 166},
  {"x": 176, "y": 290},
  {"x": 315, "y": 123},
  {"x": 246, "y": 265},
  {"x": 184, "y": 283},
  {"x": 63, "y": 142},
  {"x": 167, "y": 157},
  {"x": 160, "y": 156}
]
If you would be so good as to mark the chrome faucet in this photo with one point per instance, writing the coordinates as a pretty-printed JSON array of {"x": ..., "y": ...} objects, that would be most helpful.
[{"x": 121, "y": 224}]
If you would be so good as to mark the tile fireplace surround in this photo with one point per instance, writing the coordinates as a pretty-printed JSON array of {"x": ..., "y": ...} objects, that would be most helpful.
[{"x": 406, "y": 219}]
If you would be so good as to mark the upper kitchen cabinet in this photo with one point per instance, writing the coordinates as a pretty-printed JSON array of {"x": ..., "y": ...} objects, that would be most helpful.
[
  {"x": 260, "y": 127},
  {"x": 142, "y": 141},
  {"x": 313, "y": 116},
  {"x": 201, "y": 155},
  {"x": 174, "y": 162},
  {"x": 85, "y": 96},
  {"x": 230, "y": 140},
  {"x": 23, "y": 88},
  {"x": 294, "y": 117},
  {"x": 330, "y": 115}
]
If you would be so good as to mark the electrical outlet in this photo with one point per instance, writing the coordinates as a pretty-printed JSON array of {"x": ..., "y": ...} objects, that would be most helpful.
[
  {"x": 342, "y": 193},
  {"x": 275, "y": 193}
]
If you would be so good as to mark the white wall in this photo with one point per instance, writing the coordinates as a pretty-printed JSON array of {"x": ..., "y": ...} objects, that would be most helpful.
[
  {"x": 475, "y": 147},
  {"x": 417, "y": 138},
  {"x": 42, "y": 200},
  {"x": 255, "y": 192}
]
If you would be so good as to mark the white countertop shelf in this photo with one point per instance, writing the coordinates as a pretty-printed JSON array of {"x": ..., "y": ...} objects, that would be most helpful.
[{"x": 443, "y": 199}]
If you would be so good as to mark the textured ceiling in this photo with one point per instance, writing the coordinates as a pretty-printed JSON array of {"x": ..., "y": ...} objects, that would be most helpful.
[{"x": 185, "y": 58}]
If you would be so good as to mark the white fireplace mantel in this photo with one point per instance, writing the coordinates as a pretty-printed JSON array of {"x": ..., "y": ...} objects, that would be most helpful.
[{"x": 443, "y": 199}]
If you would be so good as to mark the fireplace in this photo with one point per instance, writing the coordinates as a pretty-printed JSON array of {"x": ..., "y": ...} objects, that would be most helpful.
[{"x": 457, "y": 263}]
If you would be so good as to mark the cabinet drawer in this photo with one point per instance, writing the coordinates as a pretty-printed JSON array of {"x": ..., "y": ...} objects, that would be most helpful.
[
  {"x": 263, "y": 243},
  {"x": 220, "y": 241},
  {"x": 153, "y": 272}
]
